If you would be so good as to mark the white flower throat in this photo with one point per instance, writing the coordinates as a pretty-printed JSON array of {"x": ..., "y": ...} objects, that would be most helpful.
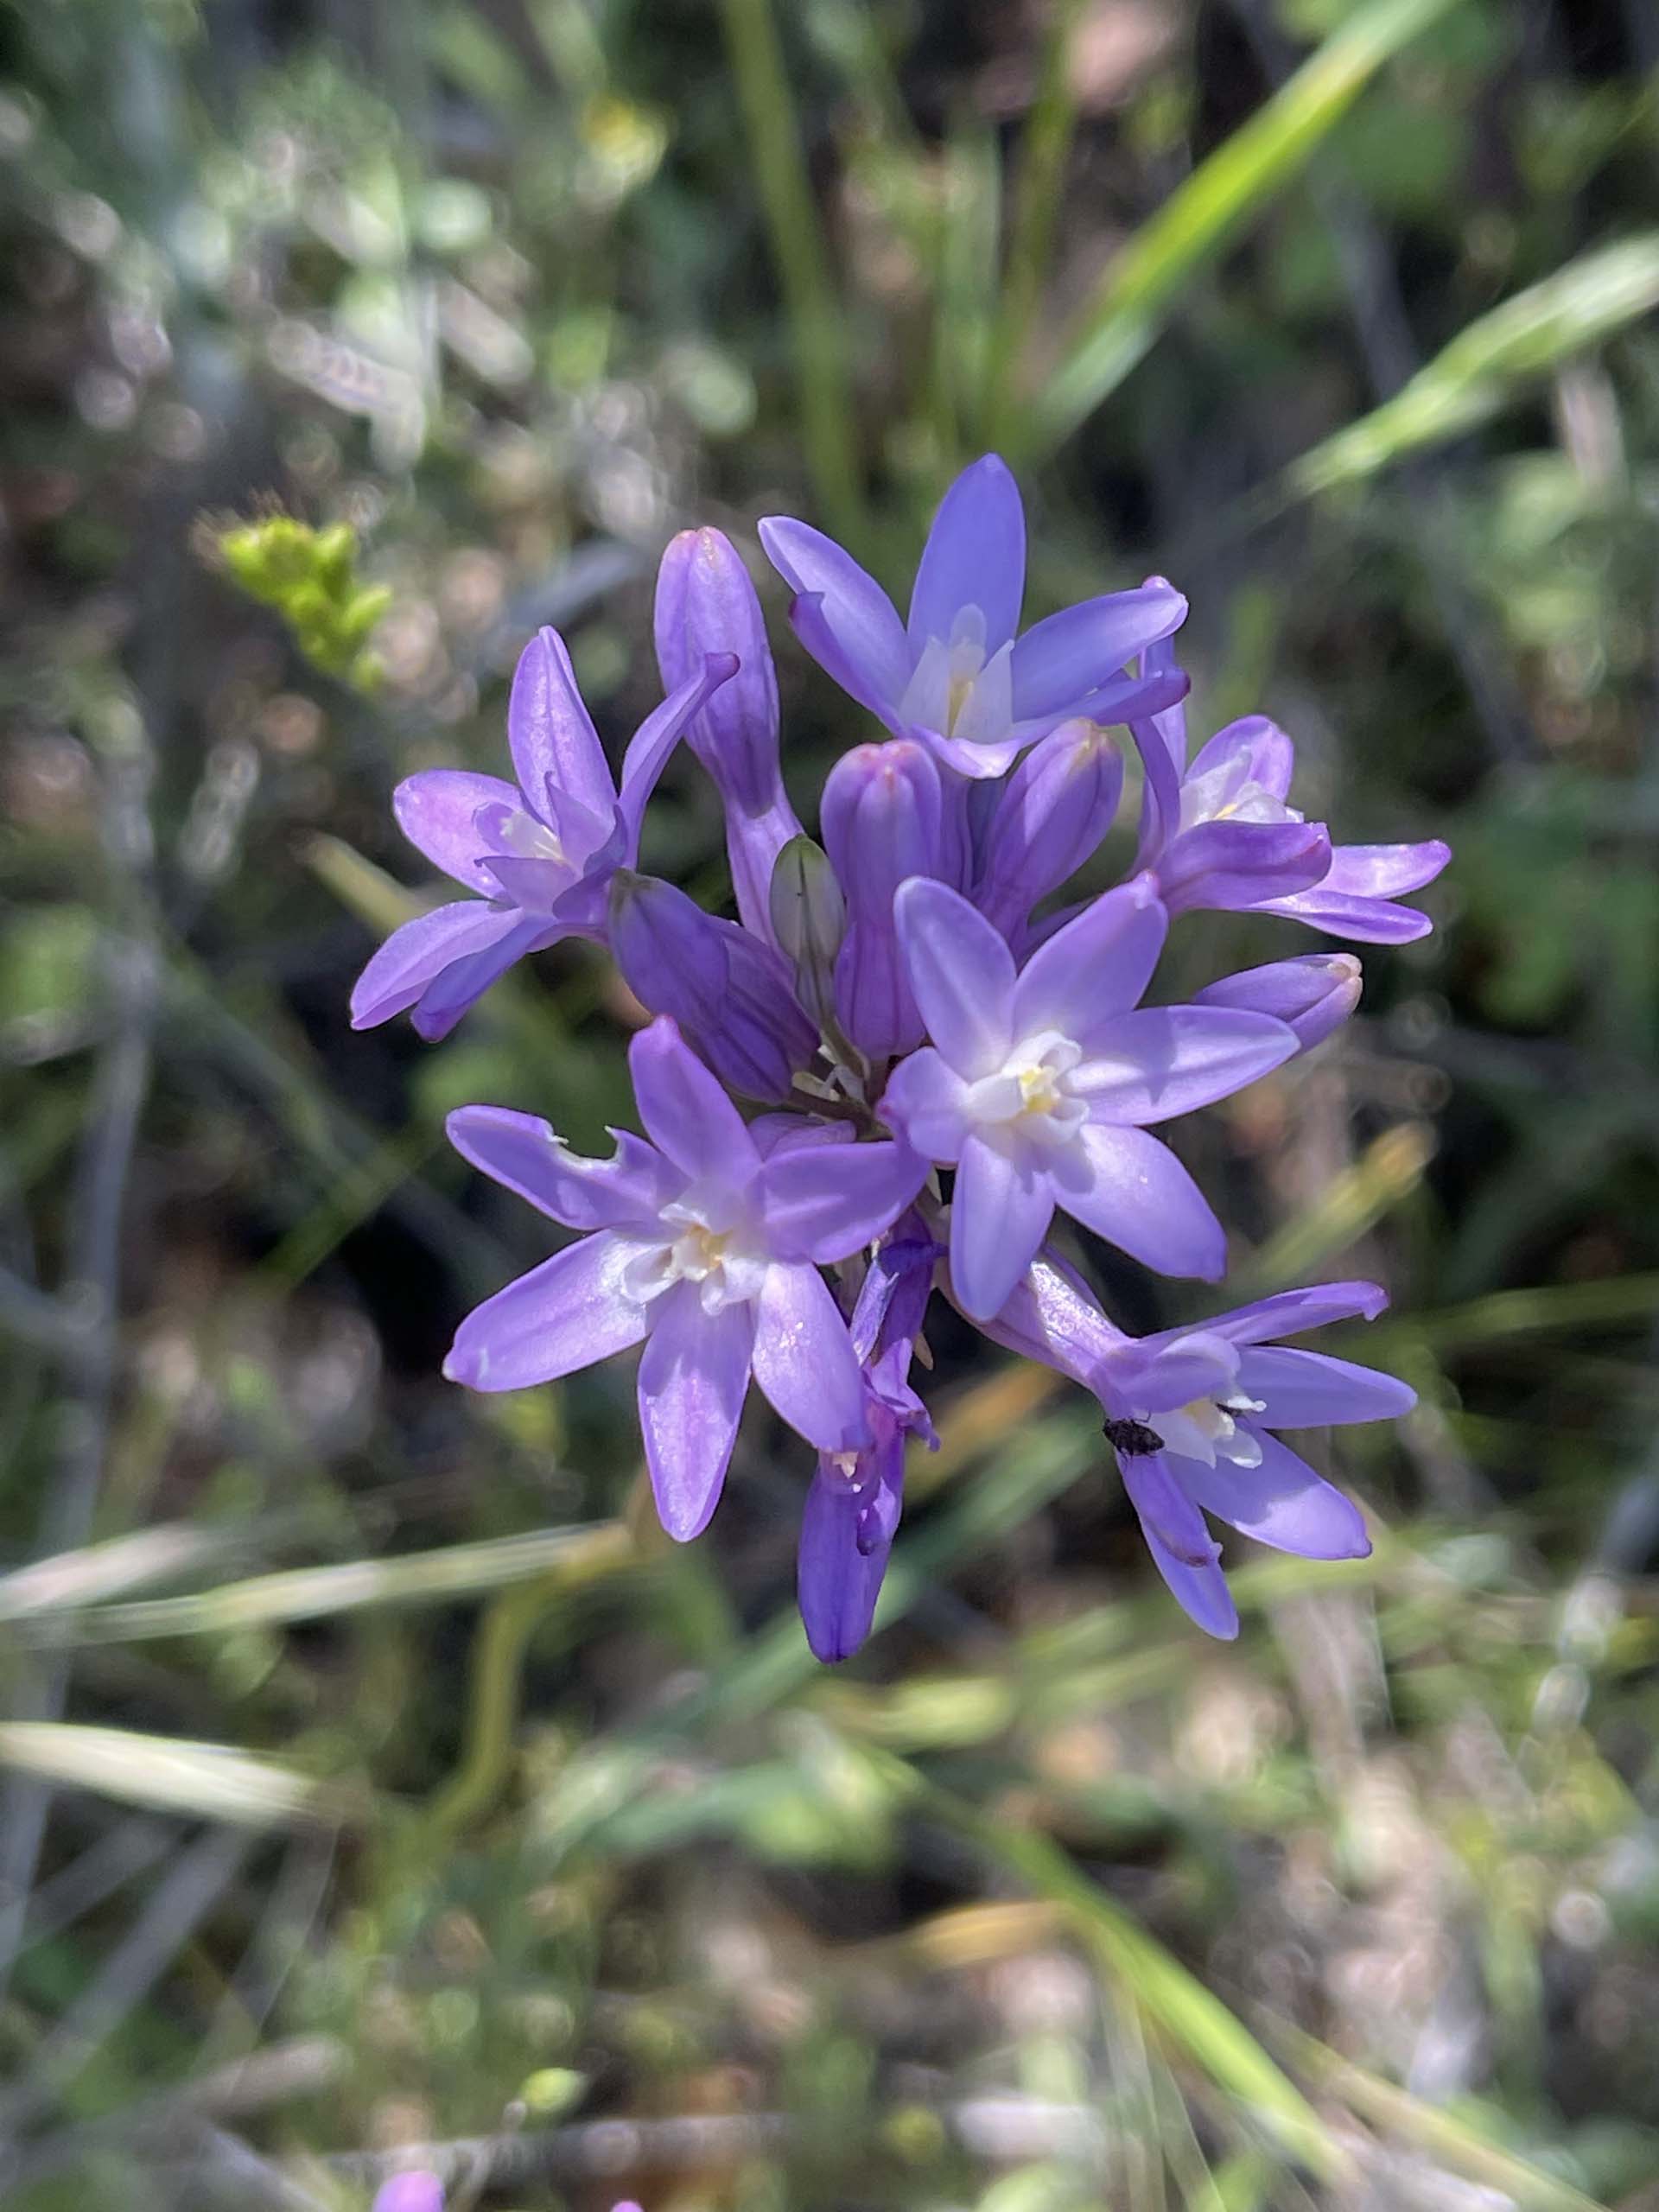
[
  {"x": 706, "y": 1241},
  {"x": 956, "y": 689},
  {"x": 1032, "y": 1094},
  {"x": 1208, "y": 1430}
]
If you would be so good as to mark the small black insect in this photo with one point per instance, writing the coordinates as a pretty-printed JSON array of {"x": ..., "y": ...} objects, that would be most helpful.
[{"x": 1134, "y": 1437}]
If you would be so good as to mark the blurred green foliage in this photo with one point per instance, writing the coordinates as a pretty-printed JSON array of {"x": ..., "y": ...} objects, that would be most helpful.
[{"x": 374, "y": 1774}]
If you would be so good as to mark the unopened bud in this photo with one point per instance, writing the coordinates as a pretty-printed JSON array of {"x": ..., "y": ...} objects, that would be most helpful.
[{"x": 1312, "y": 995}]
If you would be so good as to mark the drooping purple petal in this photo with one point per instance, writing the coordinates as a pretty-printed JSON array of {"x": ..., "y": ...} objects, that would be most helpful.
[
  {"x": 1157, "y": 1490},
  {"x": 1363, "y": 921},
  {"x": 1059, "y": 662},
  {"x": 522, "y": 1153},
  {"x": 1131, "y": 1190},
  {"x": 693, "y": 1379},
  {"x": 975, "y": 556},
  {"x": 824, "y": 1202},
  {"x": 1310, "y": 1389},
  {"x": 436, "y": 812},
  {"x": 416, "y": 951},
  {"x": 551, "y": 735},
  {"x": 571, "y": 1311},
  {"x": 853, "y": 616},
  {"x": 1093, "y": 971},
  {"x": 464, "y": 981},
  {"x": 1200, "y": 1592},
  {"x": 1282, "y": 1502},
  {"x": 925, "y": 1100},
  {"x": 962, "y": 974},
  {"x": 657, "y": 735},
  {"x": 1254, "y": 750},
  {"x": 847, "y": 1533},
  {"x": 804, "y": 1362},
  {"x": 999, "y": 1211},
  {"x": 1158, "y": 1061},
  {"x": 1288, "y": 1313},
  {"x": 685, "y": 1112},
  {"x": 1228, "y": 866}
]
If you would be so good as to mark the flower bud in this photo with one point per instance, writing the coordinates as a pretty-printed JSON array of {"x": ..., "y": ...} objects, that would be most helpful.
[
  {"x": 1054, "y": 811},
  {"x": 706, "y": 604},
  {"x": 809, "y": 920},
  {"x": 1312, "y": 995},
  {"x": 731, "y": 995},
  {"x": 885, "y": 819}
]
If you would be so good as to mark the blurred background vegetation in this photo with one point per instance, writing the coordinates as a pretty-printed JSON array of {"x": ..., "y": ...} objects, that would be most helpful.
[{"x": 373, "y": 1775}]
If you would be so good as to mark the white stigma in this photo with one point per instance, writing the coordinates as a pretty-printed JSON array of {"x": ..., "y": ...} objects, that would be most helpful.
[{"x": 1207, "y": 1431}]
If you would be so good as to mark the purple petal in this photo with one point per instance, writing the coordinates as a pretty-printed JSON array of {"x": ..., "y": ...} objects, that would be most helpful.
[
  {"x": 1000, "y": 1212},
  {"x": 1309, "y": 1389},
  {"x": 1160, "y": 1061},
  {"x": 459, "y": 986},
  {"x": 980, "y": 759},
  {"x": 926, "y": 1103},
  {"x": 975, "y": 556},
  {"x": 1363, "y": 921},
  {"x": 1289, "y": 1312},
  {"x": 685, "y": 1112},
  {"x": 1155, "y": 1374},
  {"x": 1157, "y": 1490},
  {"x": 960, "y": 972},
  {"x": 882, "y": 821},
  {"x": 420, "y": 949},
  {"x": 824, "y": 1202},
  {"x": 1053, "y": 812},
  {"x": 1228, "y": 866},
  {"x": 436, "y": 812},
  {"x": 1160, "y": 740},
  {"x": 1200, "y": 1592},
  {"x": 1384, "y": 871},
  {"x": 565, "y": 1314},
  {"x": 706, "y": 603},
  {"x": 523, "y": 1154},
  {"x": 854, "y": 632},
  {"x": 1095, "y": 969},
  {"x": 1314, "y": 994},
  {"x": 846, "y": 1532},
  {"x": 1131, "y": 1190},
  {"x": 1256, "y": 749},
  {"x": 1052, "y": 1317},
  {"x": 1061, "y": 661},
  {"x": 410, "y": 2192},
  {"x": 657, "y": 735},
  {"x": 1282, "y": 1503},
  {"x": 804, "y": 1362},
  {"x": 693, "y": 1379},
  {"x": 553, "y": 740}
]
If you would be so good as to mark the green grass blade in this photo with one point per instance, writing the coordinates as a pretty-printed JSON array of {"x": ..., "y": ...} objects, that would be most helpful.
[
  {"x": 1128, "y": 310},
  {"x": 1473, "y": 377}
]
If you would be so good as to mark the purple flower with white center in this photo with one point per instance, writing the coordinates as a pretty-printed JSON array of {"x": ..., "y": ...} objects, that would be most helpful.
[
  {"x": 732, "y": 996},
  {"x": 1190, "y": 1415},
  {"x": 1222, "y": 834},
  {"x": 886, "y": 816},
  {"x": 538, "y": 853},
  {"x": 706, "y": 604},
  {"x": 699, "y": 1246},
  {"x": 853, "y": 1507},
  {"x": 960, "y": 676},
  {"x": 1037, "y": 1085},
  {"x": 1312, "y": 995}
]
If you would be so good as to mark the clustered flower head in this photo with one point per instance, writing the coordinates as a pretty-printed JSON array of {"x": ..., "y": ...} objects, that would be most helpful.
[{"x": 944, "y": 1060}]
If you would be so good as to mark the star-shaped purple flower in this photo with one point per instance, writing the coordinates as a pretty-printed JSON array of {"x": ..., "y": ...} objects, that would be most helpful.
[
  {"x": 538, "y": 853},
  {"x": 704, "y": 1244},
  {"x": 1190, "y": 1415},
  {"x": 960, "y": 675},
  {"x": 1037, "y": 1085}
]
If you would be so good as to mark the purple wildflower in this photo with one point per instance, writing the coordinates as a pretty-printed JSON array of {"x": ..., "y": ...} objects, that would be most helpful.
[
  {"x": 701, "y": 1248},
  {"x": 1037, "y": 1085},
  {"x": 960, "y": 676},
  {"x": 706, "y": 604},
  {"x": 1222, "y": 834},
  {"x": 538, "y": 853},
  {"x": 1191, "y": 1414},
  {"x": 853, "y": 1506}
]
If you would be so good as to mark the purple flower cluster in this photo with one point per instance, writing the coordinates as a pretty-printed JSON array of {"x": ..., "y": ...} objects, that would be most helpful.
[{"x": 905, "y": 998}]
